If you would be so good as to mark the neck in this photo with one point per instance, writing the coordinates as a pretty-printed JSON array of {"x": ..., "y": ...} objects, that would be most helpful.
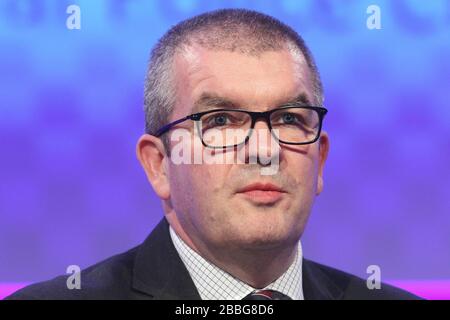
[{"x": 258, "y": 267}]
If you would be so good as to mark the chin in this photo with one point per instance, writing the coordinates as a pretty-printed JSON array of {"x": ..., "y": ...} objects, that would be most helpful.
[
  {"x": 262, "y": 235},
  {"x": 263, "y": 243}
]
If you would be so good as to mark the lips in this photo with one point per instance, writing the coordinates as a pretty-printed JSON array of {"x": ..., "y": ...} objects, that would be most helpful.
[
  {"x": 261, "y": 187},
  {"x": 262, "y": 193}
]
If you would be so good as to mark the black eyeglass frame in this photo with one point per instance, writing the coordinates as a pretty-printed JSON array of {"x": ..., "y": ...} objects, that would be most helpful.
[{"x": 321, "y": 111}]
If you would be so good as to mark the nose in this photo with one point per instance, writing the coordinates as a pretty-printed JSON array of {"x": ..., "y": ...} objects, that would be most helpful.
[{"x": 262, "y": 147}]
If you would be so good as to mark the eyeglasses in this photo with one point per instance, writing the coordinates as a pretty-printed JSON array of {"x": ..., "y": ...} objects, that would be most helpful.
[{"x": 223, "y": 128}]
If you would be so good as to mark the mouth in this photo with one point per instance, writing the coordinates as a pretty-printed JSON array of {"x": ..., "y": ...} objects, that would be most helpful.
[{"x": 262, "y": 193}]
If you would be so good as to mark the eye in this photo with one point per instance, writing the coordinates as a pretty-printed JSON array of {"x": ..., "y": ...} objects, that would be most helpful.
[
  {"x": 289, "y": 118},
  {"x": 220, "y": 120},
  {"x": 225, "y": 120}
]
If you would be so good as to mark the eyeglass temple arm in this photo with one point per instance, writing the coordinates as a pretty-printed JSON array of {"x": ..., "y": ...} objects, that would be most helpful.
[{"x": 167, "y": 127}]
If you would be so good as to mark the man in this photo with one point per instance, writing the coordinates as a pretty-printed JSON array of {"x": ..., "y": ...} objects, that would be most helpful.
[{"x": 220, "y": 84}]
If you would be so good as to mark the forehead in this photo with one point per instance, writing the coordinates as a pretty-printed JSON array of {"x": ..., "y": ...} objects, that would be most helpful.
[{"x": 255, "y": 82}]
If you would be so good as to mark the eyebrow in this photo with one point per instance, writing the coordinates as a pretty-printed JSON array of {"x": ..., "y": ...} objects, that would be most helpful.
[
  {"x": 301, "y": 99},
  {"x": 208, "y": 100}
]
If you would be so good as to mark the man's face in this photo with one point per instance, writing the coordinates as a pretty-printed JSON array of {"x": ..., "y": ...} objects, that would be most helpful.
[{"x": 206, "y": 197}]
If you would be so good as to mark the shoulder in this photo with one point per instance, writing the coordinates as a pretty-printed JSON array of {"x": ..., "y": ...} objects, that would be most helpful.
[
  {"x": 152, "y": 269},
  {"x": 353, "y": 287},
  {"x": 108, "y": 279}
]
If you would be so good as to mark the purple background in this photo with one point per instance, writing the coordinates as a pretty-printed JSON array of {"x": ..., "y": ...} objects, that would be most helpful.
[{"x": 73, "y": 192}]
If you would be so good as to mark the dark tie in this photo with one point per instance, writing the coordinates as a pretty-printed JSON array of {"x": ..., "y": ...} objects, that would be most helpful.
[{"x": 266, "y": 295}]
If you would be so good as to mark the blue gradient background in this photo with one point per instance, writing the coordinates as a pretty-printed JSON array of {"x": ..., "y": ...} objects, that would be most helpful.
[{"x": 73, "y": 192}]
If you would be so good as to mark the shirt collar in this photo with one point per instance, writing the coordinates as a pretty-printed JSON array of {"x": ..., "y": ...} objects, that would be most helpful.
[{"x": 214, "y": 283}]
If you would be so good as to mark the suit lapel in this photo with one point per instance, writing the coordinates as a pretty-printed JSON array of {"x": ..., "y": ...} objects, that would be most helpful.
[
  {"x": 317, "y": 285},
  {"x": 158, "y": 270},
  {"x": 160, "y": 274}
]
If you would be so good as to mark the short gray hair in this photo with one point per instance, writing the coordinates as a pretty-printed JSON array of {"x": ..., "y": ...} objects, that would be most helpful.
[{"x": 240, "y": 30}]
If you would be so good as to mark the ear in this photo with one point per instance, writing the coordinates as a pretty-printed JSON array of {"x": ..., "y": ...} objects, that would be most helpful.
[
  {"x": 152, "y": 155},
  {"x": 324, "y": 146}
]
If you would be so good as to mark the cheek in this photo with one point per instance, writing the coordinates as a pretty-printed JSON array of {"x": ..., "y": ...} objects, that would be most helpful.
[
  {"x": 181, "y": 187},
  {"x": 303, "y": 168},
  {"x": 303, "y": 160},
  {"x": 210, "y": 180},
  {"x": 198, "y": 185}
]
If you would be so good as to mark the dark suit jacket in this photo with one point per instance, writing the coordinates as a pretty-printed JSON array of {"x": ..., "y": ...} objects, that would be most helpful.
[{"x": 154, "y": 270}]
